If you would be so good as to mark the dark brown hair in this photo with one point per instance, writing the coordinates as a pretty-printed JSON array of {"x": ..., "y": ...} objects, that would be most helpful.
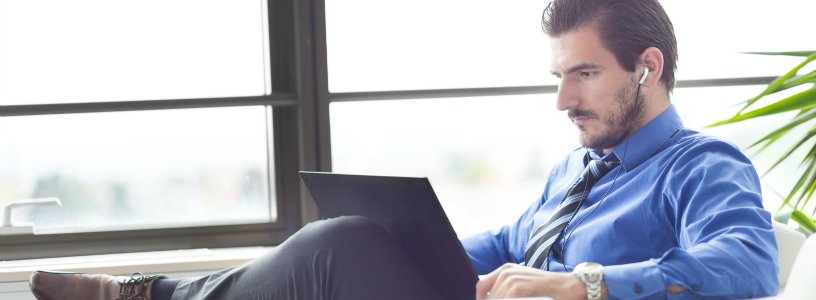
[{"x": 625, "y": 27}]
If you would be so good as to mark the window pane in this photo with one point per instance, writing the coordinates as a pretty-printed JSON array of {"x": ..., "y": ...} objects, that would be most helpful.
[
  {"x": 404, "y": 45},
  {"x": 97, "y": 50},
  {"x": 488, "y": 157},
  {"x": 144, "y": 169},
  {"x": 430, "y": 44}
]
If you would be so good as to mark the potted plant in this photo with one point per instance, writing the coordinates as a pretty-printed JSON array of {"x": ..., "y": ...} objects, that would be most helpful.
[{"x": 793, "y": 207}]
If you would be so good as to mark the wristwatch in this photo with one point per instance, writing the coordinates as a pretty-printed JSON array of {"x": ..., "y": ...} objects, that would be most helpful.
[{"x": 592, "y": 275}]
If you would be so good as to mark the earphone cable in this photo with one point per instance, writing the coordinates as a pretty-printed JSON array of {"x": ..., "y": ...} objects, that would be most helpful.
[{"x": 615, "y": 179}]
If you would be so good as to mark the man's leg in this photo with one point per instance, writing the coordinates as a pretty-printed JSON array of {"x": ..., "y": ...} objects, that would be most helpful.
[{"x": 342, "y": 258}]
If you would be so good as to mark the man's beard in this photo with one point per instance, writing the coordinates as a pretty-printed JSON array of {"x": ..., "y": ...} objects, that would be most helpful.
[{"x": 617, "y": 125}]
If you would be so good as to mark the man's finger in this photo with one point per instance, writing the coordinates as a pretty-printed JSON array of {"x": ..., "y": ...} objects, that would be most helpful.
[
  {"x": 503, "y": 281},
  {"x": 485, "y": 284}
]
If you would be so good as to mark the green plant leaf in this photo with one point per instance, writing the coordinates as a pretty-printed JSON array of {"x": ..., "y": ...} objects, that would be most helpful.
[
  {"x": 803, "y": 100},
  {"x": 807, "y": 78},
  {"x": 804, "y": 111},
  {"x": 810, "y": 158},
  {"x": 796, "y": 81},
  {"x": 781, "y": 131},
  {"x": 777, "y": 83},
  {"x": 804, "y": 221},
  {"x": 785, "y": 53},
  {"x": 801, "y": 142},
  {"x": 809, "y": 190},
  {"x": 799, "y": 183}
]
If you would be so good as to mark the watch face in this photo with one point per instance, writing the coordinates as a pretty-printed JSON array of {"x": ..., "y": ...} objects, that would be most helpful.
[
  {"x": 592, "y": 276},
  {"x": 589, "y": 271}
]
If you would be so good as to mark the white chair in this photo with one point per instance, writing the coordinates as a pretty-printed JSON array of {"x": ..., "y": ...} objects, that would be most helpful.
[
  {"x": 800, "y": 285},
  {"x": 790, "y": 242}
]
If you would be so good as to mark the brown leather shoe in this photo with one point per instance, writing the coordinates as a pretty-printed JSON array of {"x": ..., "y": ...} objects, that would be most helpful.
[{"x": 48, "y": 285}]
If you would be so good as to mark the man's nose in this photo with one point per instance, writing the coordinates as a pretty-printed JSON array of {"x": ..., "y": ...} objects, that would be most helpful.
[{"x": 567, "y": 98}]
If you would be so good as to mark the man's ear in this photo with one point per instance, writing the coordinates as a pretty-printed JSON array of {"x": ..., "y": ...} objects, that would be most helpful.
[{"x": 653, "y": 59}]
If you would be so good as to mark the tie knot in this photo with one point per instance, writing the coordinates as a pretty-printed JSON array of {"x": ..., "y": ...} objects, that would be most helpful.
[{"x": 599, "y": 167}]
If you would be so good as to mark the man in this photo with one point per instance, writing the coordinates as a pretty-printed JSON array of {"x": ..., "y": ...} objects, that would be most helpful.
[
  {"x": 647, "y": 209},
  {"x": 680, "y": 215}
]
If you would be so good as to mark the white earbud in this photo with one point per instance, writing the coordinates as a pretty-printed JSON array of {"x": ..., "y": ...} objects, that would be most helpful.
[{"x": 645, "y": 75}]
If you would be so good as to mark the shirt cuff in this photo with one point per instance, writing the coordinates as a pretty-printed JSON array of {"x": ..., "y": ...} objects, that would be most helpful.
[{"x": 633, "y": 281}]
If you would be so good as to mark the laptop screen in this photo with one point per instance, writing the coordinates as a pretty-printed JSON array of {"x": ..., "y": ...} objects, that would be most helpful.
[{"x": 408, "y": 208}]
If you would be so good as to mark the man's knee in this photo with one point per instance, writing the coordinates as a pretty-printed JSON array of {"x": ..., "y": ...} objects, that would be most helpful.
[{"x": 348, "y": 230}]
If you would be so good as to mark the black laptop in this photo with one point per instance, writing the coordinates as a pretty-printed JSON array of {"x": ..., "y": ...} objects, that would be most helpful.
[{"x": 409, "y": 209}]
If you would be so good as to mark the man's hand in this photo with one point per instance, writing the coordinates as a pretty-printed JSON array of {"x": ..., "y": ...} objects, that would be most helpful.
[{"x": 514, "y": 281}]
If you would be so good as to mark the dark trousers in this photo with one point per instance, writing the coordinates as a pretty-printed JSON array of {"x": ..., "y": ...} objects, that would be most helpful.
[{"x": 341, "y": 258}]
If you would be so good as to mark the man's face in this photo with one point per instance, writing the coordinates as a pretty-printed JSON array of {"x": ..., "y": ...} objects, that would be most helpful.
[{"x": 598, "y": 95}]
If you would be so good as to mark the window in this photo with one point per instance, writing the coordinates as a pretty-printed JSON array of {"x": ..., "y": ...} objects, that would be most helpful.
[
  {"x": 139, "y": 169},
  {"x": 136, "y": 109},
  {"x": 100, "y": 51},
  {"x": 426, "y": 44},
  {"x": 460, "y": 91},
  {"x": 158, "y": 124}
]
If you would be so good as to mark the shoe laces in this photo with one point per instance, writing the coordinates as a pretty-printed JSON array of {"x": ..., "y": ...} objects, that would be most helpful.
[{"x": 135, "y": 287}]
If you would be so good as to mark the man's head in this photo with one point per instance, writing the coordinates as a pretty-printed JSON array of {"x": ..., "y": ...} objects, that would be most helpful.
[
  {"x": 600, "y": 50},
  {"x": 626, "y": 28}
]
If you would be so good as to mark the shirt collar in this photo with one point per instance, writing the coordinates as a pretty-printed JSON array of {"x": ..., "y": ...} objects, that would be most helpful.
[{"x": 646, "y": 141}]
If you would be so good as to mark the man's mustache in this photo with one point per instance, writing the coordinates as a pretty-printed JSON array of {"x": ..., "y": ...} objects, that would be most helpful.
[{"x": 577, "y": 113}]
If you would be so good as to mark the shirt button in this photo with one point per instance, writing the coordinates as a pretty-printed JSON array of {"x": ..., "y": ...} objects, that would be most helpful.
[
  {"x": 638, "y": 289},
  {"x": 695, "y": 287}
]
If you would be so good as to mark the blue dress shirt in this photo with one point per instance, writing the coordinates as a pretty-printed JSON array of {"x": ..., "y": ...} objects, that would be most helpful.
[{"x": 682, "y": 209}]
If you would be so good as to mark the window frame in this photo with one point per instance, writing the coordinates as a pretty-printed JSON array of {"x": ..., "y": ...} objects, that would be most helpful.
[{"x": 298, "y": 75}]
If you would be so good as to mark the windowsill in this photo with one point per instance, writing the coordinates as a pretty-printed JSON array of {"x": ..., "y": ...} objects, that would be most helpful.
[{"x": 159, "y": 262}]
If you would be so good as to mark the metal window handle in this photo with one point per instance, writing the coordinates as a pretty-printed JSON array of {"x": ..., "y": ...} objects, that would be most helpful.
[{"x": 9, "y": 228}]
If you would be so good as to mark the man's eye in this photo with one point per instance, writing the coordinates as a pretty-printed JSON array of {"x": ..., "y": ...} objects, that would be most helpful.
[{"x": 584, "y": 74}]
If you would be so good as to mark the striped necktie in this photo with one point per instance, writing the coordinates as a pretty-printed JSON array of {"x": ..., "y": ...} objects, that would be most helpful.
[{"x": 541, "y": 241}]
